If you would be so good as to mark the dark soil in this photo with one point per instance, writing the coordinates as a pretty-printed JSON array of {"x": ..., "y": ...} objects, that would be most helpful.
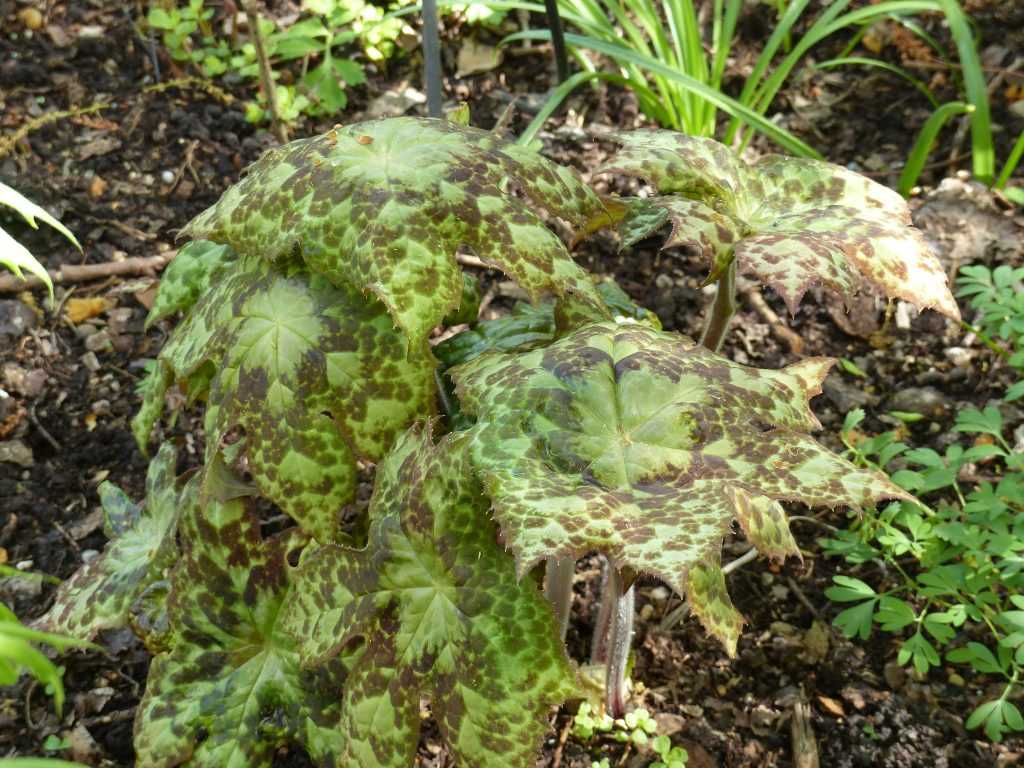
[{"x": 127, "y": 177}]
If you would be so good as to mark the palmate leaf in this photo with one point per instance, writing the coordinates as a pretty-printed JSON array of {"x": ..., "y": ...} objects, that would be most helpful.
[
  {"x": 384, "y": 205},
  {"x": 141, "y": 549},
  {"x": 792, "y": 222},
  {"x": 229, "y": 692},
  {"x": 315, "y": 375},
  {"x": 441, "y": 615},
  {"x": 645, "y": 446}
]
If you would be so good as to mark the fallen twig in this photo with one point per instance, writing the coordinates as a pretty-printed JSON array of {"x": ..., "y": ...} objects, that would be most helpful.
[
  {"x": 72, "y": 273},
  {"x": 7, "y": 142},
  {"x": 779, "y": 329},
  {"x": 805, "y": 746}
]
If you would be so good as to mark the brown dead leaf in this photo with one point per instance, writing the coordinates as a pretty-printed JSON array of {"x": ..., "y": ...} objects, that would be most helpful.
[
  {"x": 97, "y": 187},
  {"x": 832, "y": 706},
  {"x": 80, "y": 310}
]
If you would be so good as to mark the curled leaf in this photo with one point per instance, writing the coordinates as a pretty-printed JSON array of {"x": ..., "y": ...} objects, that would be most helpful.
[
  {"x": 383, "y": 206},
  {"x": 435, "y": 605},
  {"x": 791, "y": 222},
  {"x": 101, "y": 593}
]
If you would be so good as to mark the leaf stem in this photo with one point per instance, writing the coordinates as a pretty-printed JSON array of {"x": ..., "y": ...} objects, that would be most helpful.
[
  {"x": 558, "y": 590},
  {"x": 722, "y": 310},
  {"x": 619, "y": 642},
  {"x": 602, "y": 623}
]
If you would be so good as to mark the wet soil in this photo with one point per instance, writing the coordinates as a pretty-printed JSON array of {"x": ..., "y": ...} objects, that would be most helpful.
[{"x": 126, "y": 177}]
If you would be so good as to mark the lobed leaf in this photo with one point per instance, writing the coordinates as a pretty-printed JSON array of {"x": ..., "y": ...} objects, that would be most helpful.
[
  {"x": 315, "y": 375},
  {"x": 384, "y": 205},
  {"x": 100, "y": 595},
  {"x": 229, "y": 692},
  {"x": 792, "y": 222},
  {"x": 190, "y": 273},
  {"x": 439, "y": 612},
  {"x": 645, "y": 446}
]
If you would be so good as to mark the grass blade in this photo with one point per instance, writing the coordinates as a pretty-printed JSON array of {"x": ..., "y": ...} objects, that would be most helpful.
[
  {"x": 925, "y": 139},
  {"x": 863, "y": 61},
  {"x": 1011, "y": 162},
  {"x": 730, "y": 106}
]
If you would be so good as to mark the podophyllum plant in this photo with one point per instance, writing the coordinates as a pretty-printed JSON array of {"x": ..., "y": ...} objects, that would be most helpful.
[{"x": 575, "y": 426}]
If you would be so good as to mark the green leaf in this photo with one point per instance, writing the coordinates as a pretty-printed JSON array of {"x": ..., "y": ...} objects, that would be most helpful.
[
  {"x": 634, "y": 442},
  {"x": 229, "y": 692},
  {"x": 436, "y": 604},
  {"x": 194, "y": 270},
  {"x": 142, "y": 547},
  {"x": 792, "y": 222},
  {"x": 849, "y": 590},
  {"x": 316, "y": 377},
  {"x": 383, "y": 206},
  {"x": 988, "y": 421},
  {"x": 918, "y": 650},
  {"x": 894, "y": 614},
  {"x": 856, "y": 620}
]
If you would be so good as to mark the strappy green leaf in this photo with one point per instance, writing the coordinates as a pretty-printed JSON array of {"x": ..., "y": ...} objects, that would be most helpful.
[
  {"x": 229, "y": 692},
  {"x": 439, "y": 612},
  {"x": 384, "y": 205},
  {"x": 791, "y": 222},
  {"x": 142, "y": 547},
  {"x": 635, "y": 442},
  {"x": 13, "y": 254},
  {"x": 316, "y": 376}
]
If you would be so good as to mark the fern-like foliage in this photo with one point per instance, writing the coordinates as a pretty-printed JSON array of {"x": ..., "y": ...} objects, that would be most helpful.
[
  {"x": 384, "y": 205},
  {"x": 642, "y": 445},
  {"x": 436, "y": 606},
  {"x": 791, "y": 222}
]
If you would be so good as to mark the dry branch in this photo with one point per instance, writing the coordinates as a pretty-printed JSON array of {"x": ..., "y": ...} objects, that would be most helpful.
[{"x": 71, "y": 273}]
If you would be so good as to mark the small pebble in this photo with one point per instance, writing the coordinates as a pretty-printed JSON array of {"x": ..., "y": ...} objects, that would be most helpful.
[{"x": 167, "y": 176}]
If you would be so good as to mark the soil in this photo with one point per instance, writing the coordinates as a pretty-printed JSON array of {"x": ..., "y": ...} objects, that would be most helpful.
[{"x": 125, "y": 178}]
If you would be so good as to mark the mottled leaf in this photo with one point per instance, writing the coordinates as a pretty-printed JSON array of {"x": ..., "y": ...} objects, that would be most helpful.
[
  {"x": 101, "y": 593},
  {"x": 315, "y": 375},
  {"x": 384, "y": 205},
  {"x": 764, "y": 522},
  {"x": 709, "y": 597},
  {"x": 229, "y": 692},
  {"x": 633, "y": 442},
  {"x": 435, "y": 602},
  {"x": 195, "y": 268},
  {"x": 792, "y": 222}
]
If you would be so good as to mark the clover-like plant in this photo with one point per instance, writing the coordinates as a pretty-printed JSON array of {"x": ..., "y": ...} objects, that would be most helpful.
[
  {"x": 293, "y": 617},
  {"x": 791, "y": 222}
]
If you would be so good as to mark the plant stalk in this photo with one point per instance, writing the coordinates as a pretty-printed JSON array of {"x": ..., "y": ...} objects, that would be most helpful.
[
  {"x": 252, "y": 17},
  {"x": 432, "y": 58},
  {"x": 621, "y": 638},
  {"x": 603, "y": 620},
  {"x": 557, "y": 39},
  {"x": 558, "y": 590},
  {"x": 722, "y": 310}
]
